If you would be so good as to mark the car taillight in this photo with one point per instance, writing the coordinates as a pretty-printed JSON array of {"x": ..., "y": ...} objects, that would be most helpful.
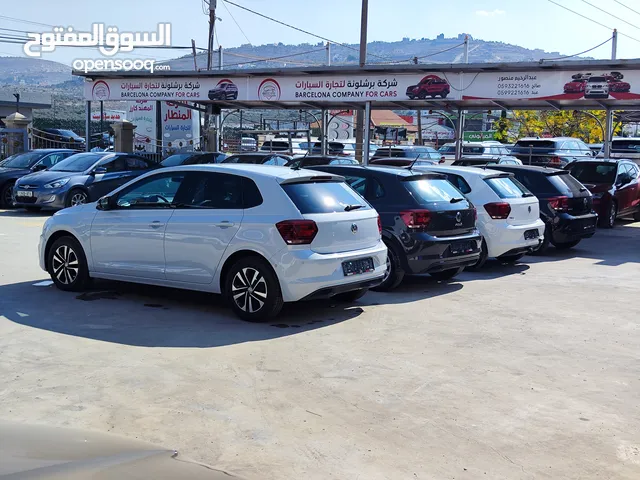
[
  {"x": 555, "y": 161},
  {"x": 498, "y": 210},
  {"x": 559, "y": 204},
  {"x": 297, "y": 232},
  {"x": 379, "y": 225},
  {"x": 416, "y": 218}
]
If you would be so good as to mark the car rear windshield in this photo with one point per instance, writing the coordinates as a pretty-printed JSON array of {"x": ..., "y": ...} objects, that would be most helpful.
[
  {"x": 507, "y": 187},
  {"x": 433, "y": 190},
  {"x": 590, "y": 172},
  {"x": 323, "y": 197},
  {"x": 77, "y": 163},
  {"x": 275, "y": 146},
  {"x": 539, "y": 147},
  {"x": 625, "y": 146},
  {"x": 393, "y": 152},
  {"x": 175, "y": 160},
  {"x": 472, "y": 150},
  {"x": 566, "y": 184}
]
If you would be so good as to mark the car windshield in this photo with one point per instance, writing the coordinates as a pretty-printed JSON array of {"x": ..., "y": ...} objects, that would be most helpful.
[
  {"x": 539, "y": 147},
  {"x": 597, "y": 79},
  {"x": 25, "y": 160},
  {"x": 76, "y": 163},
  {"x": 591, "y": 172},
  {"x": 507, "y": 187},
  {"x": 625, "y": 146},
  {"x": 433, "y": 190},
  {"x": 475, "y": 150},
  {"x": 175, "y": 160},
  {"x": 323, "y": 197}
]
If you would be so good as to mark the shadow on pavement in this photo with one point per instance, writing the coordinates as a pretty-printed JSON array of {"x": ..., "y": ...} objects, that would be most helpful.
[
  {"x": 147, "y": 316},
  {"x": 20, "y": 213}
]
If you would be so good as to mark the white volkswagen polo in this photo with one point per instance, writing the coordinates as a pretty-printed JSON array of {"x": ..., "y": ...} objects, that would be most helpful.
[
  {"x": 508, "y": 214},
  {"x": 260, "y": 235}
]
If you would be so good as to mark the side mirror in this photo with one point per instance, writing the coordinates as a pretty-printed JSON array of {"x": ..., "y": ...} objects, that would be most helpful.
[
  {"x": 40, "y": 167},
  {"x": 99, "y": 170},
  {"x": 104, "y": 203},
  {"x": 623, "y": 180}
]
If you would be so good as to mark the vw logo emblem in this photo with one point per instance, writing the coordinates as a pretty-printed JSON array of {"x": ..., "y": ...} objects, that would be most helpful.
[
  {"x": 354, "y": 228},
  {"x": 529, "y": 208},
  {"x": 458, "y": 217}
]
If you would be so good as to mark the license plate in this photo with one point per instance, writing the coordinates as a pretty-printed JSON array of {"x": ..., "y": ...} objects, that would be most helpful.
[
  {"x": 531, "y": 234},
  {"x": 460, "y": 248},
  {"x": 24, "y": 193},
  {"x": 357, "y": 267}
]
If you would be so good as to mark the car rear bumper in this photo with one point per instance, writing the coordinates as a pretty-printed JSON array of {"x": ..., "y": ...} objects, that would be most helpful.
[
  {"x": 305, "y": 274},
  {"x": 568, "y": 228},
  {"x": 510, "y": 239},
  {"x": 431, "y": 254}
]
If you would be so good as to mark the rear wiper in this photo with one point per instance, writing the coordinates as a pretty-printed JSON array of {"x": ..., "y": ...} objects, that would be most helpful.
[
  {"x": 348, "y": 208},
  {"x": 525, "y": 195},
  {"x": 456, "y": 200}
]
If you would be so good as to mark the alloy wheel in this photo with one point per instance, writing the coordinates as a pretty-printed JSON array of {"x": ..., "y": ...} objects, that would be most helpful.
[
  {"x": 79, "y": 198},
  {"x": 387, "y": 272},
  {"x": 65, "y": 264},
  {"x": 249, "y": 290}
]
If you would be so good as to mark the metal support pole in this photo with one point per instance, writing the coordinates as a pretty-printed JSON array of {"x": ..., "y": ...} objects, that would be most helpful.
[
  {"x": 212, "y": 22},
  {"x": 608, "y": 132},
  {"x": 328, "y": 54},
  {"x": 465, "y": 55},
  {"x": 614, "y": 44},
  {"x": 420, "y": 127},
  {"x": 459, "y": 134},
  {"x": 324, "y": 130},
  {"x": 220, "y": 58},
  {"x": 101, "y": 122},
  {"x": 367, "y": 133},
  {"x": 363, "y": 59},
  {"x": 87, "y": 127},
  {"x": 241, "y": 120}
]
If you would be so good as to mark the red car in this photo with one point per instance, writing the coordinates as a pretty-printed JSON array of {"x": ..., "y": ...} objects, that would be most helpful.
[
  {"x": 614, "y": 185},
  {"x": 430, "y": 86},
  {"x": 616, "y": 84},
  {"x": 575, "y": 86}
]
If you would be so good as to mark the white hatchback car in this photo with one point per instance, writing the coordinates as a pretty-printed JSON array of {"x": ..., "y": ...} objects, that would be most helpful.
[
  {"x": 260, "y": 235},
  {"x": 508, "y": 214}
]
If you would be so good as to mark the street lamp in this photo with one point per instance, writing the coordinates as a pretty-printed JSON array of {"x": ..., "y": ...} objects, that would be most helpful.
[{"x": 17, "y": 95}]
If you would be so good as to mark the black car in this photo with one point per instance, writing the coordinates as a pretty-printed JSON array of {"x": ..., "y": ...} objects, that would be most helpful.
[
  {"x": 333, "y": 148},
  {"x": 408, "y": 151},
  {"x": 78, "y": 179},
  {"x": 259, "y": 158},
  {"x": 481, "y": 161},
  {"x": 23, "y": 164},
  {"x": 566, "y": 206},
  {"x": 63, "y": 138},
  {"x": 224, "y": 91},
  {"x": 314, "y": 160},
  {"x": 552, "y": 152},
  {"x": 193, "y": 158},
  {"x": 427, "y": 224}
]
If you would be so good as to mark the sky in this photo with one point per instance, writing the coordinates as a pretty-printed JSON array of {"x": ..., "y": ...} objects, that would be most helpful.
[{"x": 531, "y": 24}]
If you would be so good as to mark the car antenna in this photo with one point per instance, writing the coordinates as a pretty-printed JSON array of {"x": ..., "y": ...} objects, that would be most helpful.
[{"x": 414, "y": 161}]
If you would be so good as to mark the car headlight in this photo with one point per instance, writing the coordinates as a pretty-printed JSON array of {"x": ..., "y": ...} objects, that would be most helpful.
[{"x": 57, "y": 183}]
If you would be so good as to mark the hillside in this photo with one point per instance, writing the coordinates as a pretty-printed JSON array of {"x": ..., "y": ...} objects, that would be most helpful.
[{"x": 32, "y": 71}]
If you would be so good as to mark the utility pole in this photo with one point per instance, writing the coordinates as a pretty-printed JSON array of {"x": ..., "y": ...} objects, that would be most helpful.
[
  {"x": 212, "y": 23},
  {"x": 17, "y": 95},
  {"x": 419, "y": 112},
  {"x": 460, "y": 132},
  {"x": 609, "y": 111},
  {"x": 328, "y": 54},
  {"x": 220, "y": 58},
  {"x": 363, "y": 60},
  {"x": 193, "y": 52}
]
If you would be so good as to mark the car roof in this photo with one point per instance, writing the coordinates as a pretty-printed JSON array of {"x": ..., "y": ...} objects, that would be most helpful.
[
  {"x": 384, "y": 169},
  {"x": 49, "y": 150},
  {"x": 256, "y": 154},
  {"x": 602, "y": 160},
  {"x": 550, "y": 139},
  {"x": 526, "y": 168},
  {"x": 253, "y": 171},
  {"x": 481, "y": 172}
]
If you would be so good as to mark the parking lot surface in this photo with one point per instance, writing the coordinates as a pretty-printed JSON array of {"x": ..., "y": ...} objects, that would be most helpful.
[{"x": 514, "y": 372}]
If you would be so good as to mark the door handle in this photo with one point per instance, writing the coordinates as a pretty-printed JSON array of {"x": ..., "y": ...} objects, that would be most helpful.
[
  {"x": 156, "y": 224},
  {"x": 224, "y": 224}
]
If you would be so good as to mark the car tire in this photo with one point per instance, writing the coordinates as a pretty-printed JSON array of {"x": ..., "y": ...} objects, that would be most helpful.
[
  {"x": 482, "y": 259},
  {"x": 6, "y": 195},
  {"x": 609, "y": 221},
  {"x": 511, "y": 258},
  {"x": 351, "y": 296},
  {"x": 566, "y": 245},
  {"x": 253, "y": 290},
  {"x": 394, "y": 274},
  {"x": 76, "y": 196},
  {"x": 546, "y": 241},
  {"x": 67, "y": 265},
  {"x": 445, "y": 275}
]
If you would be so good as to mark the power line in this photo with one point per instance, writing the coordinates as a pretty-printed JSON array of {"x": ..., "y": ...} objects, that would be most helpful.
[
  {"x": 576, "y": 54},
  {"x": 236, "y": 22},
  {"x": 277, "y": 58},
  {"x": 4, "y": 17},
  {"x": 626, "y": 6},
  {"x": 301, "y": 30},
  {"x": 611, "y": 14},
  {"x": 592, "y": 20}
]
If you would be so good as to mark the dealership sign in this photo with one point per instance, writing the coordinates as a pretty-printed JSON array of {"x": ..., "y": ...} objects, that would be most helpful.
[{"x": 540, "y": 85}]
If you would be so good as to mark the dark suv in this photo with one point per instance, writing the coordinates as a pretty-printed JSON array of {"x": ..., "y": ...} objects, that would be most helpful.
[
  {"x": 427, "y": 224},
  {"x": 430, "y": 86},
  {"x": 224, "y": 91},
  {"x": 615, "y": 187},
  {"x": 566, "y": 206},
  {"x": 552, "y": 152}
]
